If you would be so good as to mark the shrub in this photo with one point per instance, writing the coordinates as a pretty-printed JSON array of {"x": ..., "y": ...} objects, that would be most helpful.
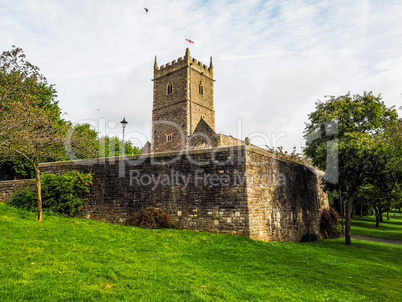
[
  {"x": 62, "y": 194},
  {"x": 329, "y": 223},
  {"x": 24, "y": 199},
  {"x": 152, "y": 218},
  {"x": 309, "y": 237}
]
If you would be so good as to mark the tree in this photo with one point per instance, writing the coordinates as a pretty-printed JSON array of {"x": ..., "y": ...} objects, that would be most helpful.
[
  {"x": 342, "y": 137},
  {"x": 32, "y": 129},
  {"x": 111, "y": 146},
  {"x": 30, "y": 122},
  {"x": 382, "y": 187},
  {"x": 81, "y": 142},
  {"x": 382, "y": 200},
  {"x": 17, "y": 169},
  {"x": 392, "y": 147}
]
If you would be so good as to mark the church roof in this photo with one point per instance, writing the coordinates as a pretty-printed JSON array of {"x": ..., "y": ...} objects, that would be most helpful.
[{"x": 203, "y": 127}]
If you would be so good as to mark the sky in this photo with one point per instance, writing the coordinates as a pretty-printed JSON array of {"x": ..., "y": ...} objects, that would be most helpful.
[{"x": 272, "y": 59}]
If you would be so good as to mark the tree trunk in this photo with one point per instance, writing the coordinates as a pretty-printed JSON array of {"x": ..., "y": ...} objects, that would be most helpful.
[
  {"x": 361, "y": 211},
  {"x": 38, "y": 190},
  {"x": 388, "y": 214},
  {"x": 377, "y": 218},
  {"x": 348, "y": 221},
  {"x": 349, "y": 209}
]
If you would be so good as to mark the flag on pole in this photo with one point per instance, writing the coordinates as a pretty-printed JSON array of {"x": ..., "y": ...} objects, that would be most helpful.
[{"x": 189, "y": 41}]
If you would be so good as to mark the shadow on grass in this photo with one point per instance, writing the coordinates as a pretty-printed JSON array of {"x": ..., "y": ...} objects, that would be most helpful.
[{"x": 384, "y": 226}]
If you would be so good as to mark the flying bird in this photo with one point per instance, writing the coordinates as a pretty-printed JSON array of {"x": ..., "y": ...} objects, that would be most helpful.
[{"x": 146, "y": 10}]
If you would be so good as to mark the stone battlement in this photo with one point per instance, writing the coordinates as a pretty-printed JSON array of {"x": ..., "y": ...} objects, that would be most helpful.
[{"x": 186, "y": 61}]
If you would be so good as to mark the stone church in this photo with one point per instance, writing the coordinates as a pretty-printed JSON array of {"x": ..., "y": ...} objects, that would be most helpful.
[{"x": 204, "y": 180}]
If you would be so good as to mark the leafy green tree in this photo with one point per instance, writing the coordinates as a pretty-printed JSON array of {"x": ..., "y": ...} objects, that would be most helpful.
[
  {"x": 17, "y": 169},
  {"x": 29, "y": 115},
  {"x": 380, "y": 198},
  {"x": 392, "y": 147},
  {"x": 31, "y": 127},
  {"x": 111, "y": 146},
  {"x": 342, "y": 139},
  {"x": 382, "y": 187},
  {"x": 20, "y": 79},
  {"x": 81, "y": 142}
]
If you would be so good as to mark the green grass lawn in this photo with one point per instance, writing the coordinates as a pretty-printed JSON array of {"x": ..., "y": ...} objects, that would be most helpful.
[
  {"x": 389, "y": 229},
  {"x": 65, "y": 259}
]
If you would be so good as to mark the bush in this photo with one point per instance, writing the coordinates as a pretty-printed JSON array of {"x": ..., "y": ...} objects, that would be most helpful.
[
  {"x": 152, "y": 218},
  {"x": 309, "y": 237},
  {"x": 24, "y": 199},
  {"x": 329, "y": 223},
  {"x": 62, "y": 194}
]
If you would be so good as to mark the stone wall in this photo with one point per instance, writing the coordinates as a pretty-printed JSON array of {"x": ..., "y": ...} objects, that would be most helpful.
[
  {"x": 240, "y": 190},
  {"x": 201, "y": 190},
  {"x": 285, "y": 198},
  {"x": 170, "y": 121},
  {"x": 202, "y": 105},
  {"x": 8, "y": 187},
  {"x": 228, "y": 140}
]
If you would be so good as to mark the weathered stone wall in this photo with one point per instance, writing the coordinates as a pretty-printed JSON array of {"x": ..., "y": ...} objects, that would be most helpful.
[
  {"x": 201, "y": 190},
  {"x": 170, "y": 121},
  {"x": 228, "y": 140},
  {"x": 8, "y": 187},
  {"x": 285, "y": 198},
  {"x": 202, "y": 105},
  {"x": 240, "y": 190}
]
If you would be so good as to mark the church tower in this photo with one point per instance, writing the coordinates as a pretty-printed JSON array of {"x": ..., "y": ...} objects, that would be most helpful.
[{"x": 183, "y": 96}]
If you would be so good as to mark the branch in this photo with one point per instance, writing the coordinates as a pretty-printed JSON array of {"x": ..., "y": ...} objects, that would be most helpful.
[{"x": 20, "y": 153}]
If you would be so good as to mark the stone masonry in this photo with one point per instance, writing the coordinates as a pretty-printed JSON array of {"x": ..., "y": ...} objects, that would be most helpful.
[
  {"x": 241, "y": 190},
  {"x": 8, "y": 187},
  {"x": 183, "y": 95}
]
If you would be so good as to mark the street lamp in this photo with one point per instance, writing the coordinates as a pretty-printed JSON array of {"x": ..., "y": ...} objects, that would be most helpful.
[{"x": 123, "y": 123}]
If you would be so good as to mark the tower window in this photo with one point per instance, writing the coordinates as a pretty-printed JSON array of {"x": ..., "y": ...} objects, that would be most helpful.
[
  {"x": 169, "y": 137},
  {"x": 200, "y": 88},
  {"x": 201, "y": 145},
  {"x": 169, "y": 87}
]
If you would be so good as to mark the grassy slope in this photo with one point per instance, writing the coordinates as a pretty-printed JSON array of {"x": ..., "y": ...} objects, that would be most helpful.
[
  {"x": 389, "y": 229},
  {"x": 65, "y": 259}
]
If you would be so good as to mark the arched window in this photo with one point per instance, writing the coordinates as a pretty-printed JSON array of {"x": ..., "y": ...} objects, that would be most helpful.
[
  {"x": 200, "y": 88},
  {"x": 201, "y": 145},
  {"x": 169, "y": 87}
]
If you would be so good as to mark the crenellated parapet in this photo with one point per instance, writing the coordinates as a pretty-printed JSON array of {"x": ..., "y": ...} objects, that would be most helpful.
[{"x": 183, "y": 62}]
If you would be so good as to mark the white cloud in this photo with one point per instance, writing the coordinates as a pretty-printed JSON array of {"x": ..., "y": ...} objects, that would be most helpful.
[{"x": 272, "y": 59}]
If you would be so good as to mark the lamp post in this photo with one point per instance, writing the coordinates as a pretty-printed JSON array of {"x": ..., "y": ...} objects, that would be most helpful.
[{"x": 123, "y": 123}]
